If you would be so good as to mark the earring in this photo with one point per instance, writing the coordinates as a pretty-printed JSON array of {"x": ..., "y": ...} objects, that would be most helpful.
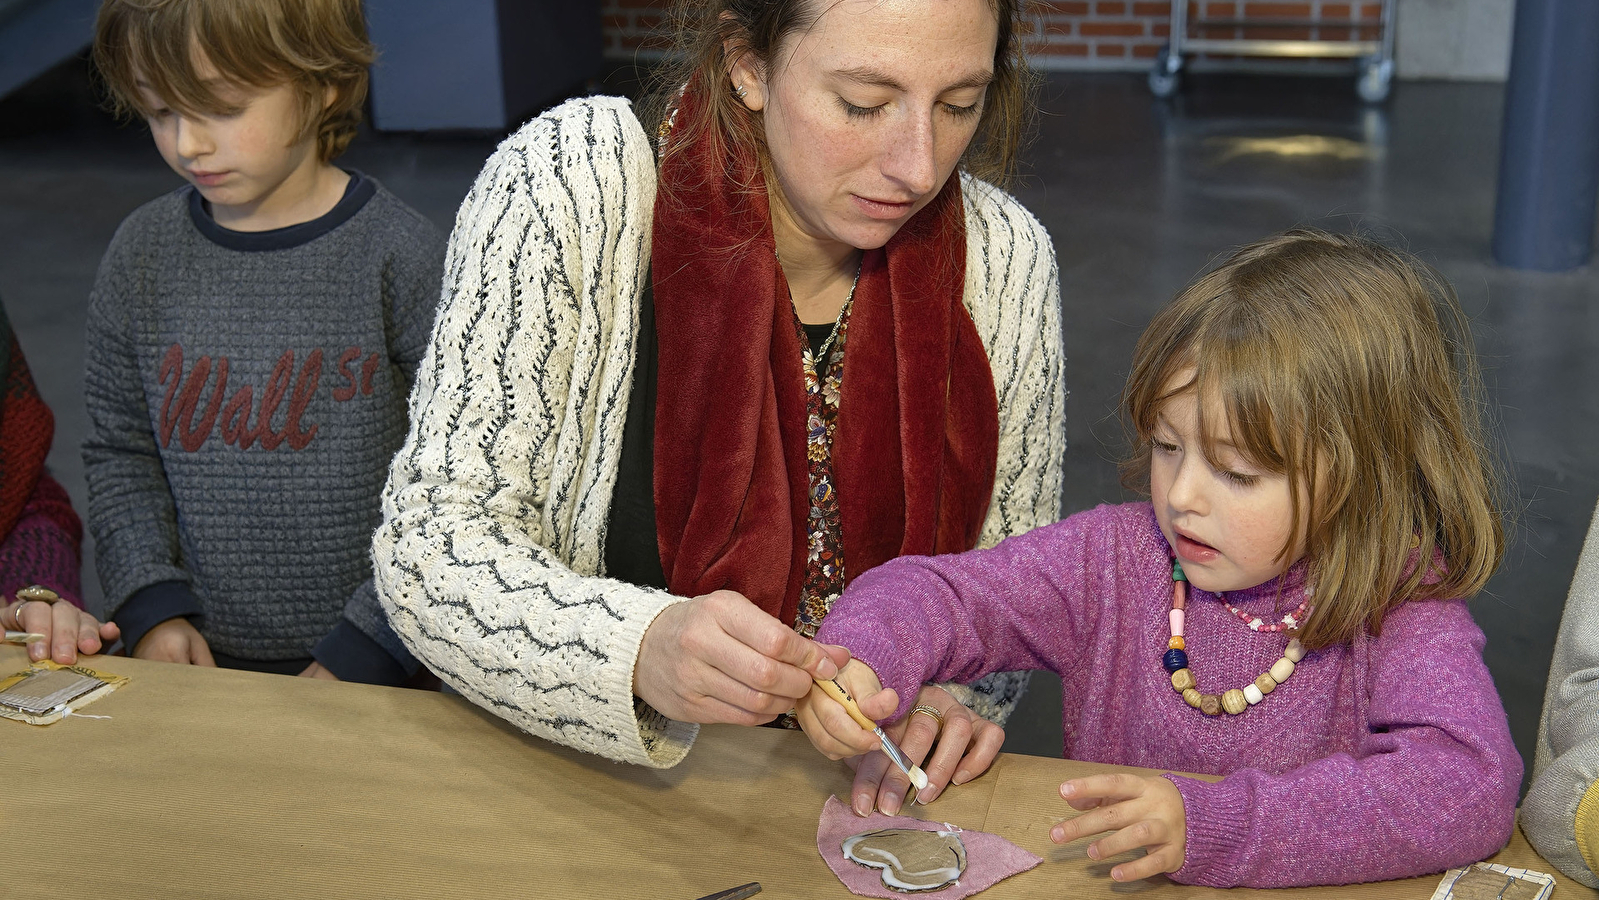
[{"x": 739, "y": 92}]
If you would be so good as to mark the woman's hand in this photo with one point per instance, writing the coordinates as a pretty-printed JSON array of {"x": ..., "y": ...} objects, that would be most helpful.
[
  {"x": 720, "y": 658},
  {"x": 1143, "y": 812},
  {"x": 966, "y": 746},
  {"x": 67, "y": 630},
  {"x": 175, "y": 640},
  {"x": 830, "y": 726}
]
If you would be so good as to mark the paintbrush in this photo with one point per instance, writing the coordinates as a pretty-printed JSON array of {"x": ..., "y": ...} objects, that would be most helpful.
[{"x": 836, "y": 691}]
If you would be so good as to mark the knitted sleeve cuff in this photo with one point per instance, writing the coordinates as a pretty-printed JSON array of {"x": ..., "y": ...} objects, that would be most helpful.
[
  {"x": 1587, "y": 827},
  {"x": 348, "y": 653},
  {"x": 150, "y": 606},
  {"x": 1217, "y": 816}
]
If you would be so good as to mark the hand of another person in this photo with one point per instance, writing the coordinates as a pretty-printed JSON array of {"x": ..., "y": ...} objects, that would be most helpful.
[
  {"x": 317, "y": 670},
  {"x": 67, "y": 630},
  {"x": 1143, "y": 812},
  {"x": 830, "y": 726},
  {"x": 966, "y": 745},
  {"x": 175, "y": 640},
  {"x": 720, "y": 658}
]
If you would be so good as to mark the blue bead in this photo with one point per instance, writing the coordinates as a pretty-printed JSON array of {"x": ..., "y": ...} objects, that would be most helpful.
[{"x": 1174, "y": 660}]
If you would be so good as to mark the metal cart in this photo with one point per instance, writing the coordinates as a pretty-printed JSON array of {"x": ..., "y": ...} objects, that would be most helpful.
[{"x": 1374, "y": 58}]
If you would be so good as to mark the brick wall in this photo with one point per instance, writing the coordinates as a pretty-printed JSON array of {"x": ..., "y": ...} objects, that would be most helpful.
[{"x": 1073, "y": 34}]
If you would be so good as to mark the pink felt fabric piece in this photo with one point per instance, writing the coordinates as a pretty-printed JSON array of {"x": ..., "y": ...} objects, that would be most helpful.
[{"x": 990, "y": 858}]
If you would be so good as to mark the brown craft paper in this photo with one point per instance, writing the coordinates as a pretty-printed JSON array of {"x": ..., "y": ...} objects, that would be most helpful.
[{"x": 225, "y": 784}]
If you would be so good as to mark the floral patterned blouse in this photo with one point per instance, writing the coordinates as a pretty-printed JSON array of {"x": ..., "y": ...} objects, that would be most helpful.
[{"x": 824, "y": 565}]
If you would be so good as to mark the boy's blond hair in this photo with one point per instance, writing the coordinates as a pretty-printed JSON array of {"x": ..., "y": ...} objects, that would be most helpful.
[
  {"x": 1347, "y": 367},
  {"x": 318, "y": 46}
]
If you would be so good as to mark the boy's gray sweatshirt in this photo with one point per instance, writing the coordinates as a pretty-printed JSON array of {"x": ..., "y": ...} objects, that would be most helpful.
[{"x": 246, "y": 392}]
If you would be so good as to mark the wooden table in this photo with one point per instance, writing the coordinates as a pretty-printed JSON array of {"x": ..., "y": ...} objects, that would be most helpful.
[{"x": 226, "y": 784}]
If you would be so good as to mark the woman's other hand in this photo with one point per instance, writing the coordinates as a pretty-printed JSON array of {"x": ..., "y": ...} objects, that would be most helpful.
[
  {"x": 67, "y": 630},
  {"x": 720, "y": 658},
  {"x": 953, "y": 751},
  {"x": 175, "y": 640},
  {"x": 830, "y": 726}
]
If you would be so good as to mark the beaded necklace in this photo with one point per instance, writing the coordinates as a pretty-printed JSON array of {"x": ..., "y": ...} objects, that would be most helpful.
[
  {"x": 1237, "y": 700},
  {"x": 1255, "y": 623}
]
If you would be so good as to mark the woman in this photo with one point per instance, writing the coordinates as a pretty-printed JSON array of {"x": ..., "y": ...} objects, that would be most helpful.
[
  {"x": 40, "y": 548},
  {"x": 795, "y": 346},
  {"x": 1561, "y": 813}
]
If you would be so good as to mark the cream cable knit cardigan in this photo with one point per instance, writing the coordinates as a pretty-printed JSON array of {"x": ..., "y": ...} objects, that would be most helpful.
[
  {"x": 1558, "y": 815},
  {"x": 490, "y": 557}
]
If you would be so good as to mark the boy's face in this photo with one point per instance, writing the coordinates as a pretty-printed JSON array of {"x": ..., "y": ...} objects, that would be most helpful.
[
  {"x": 240, "y": 162},
  {"x": 1228, "y": 522}
]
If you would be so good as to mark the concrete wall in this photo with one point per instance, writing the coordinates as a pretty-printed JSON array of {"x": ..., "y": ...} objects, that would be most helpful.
[{"x": 1463, "y": 40}]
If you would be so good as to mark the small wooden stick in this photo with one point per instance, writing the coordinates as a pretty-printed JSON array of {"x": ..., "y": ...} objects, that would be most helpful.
[{"x": 833, "y": 689}]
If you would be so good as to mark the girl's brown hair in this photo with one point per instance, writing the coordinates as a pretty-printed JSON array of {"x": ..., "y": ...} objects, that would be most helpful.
[
  {"x": 703, "y": 28},
  {"x": 1348, "y": 368},
  {"x": 318, "y": 46}
]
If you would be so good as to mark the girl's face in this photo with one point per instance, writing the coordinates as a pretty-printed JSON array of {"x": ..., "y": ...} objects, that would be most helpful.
[
  {"x": 867, "y": 113},
  {"x": 1227, "y": 523}
]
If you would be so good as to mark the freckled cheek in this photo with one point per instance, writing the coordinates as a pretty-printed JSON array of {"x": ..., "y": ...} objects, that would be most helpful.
[{"x": 1264, "y": 534}]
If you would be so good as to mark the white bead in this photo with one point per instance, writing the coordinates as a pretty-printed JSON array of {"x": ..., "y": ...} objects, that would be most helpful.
[
  {"x": 1255, "y": 624},
  {"x": 1281, "y": 669},
  {"x": 1253, "y": 694},
  {"x": 1295, "y": 651}
]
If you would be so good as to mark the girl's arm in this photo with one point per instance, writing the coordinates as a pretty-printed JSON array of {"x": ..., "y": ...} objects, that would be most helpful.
[
  {"x": 1019, "y": 605},
  {"x": 1561, "y": 812},
  {"x": 1432, "y": 785}
]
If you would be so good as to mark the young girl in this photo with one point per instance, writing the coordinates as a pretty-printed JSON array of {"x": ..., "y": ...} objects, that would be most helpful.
[{"x": 1288, "y": 611}]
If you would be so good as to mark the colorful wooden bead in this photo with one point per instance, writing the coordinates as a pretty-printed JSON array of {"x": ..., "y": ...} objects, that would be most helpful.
[
  {"x": 1182, "y": 680},
  {"x": 1295, "y": 651},
  {"x": 1233, "y": 701},
  {"x": 1281, "y": 669}
]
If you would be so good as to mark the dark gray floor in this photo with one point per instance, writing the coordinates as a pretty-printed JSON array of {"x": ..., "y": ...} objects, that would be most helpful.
[{"x": 1139, "y": 197}]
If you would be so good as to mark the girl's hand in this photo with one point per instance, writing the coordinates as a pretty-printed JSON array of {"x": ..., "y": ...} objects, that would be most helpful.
[
  {"x": 966, "y": 746},
  {"x": 830, "y": 726},
  {"x": 67, "y": 630},
  {"x": 1143, "y": 812}
]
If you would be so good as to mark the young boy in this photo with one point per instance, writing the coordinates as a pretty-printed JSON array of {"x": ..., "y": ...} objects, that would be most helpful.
[{"x": 252, "y": 340}]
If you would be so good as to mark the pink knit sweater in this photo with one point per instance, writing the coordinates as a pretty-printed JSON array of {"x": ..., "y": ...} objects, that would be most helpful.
[{"x": 1385, "y": 758}]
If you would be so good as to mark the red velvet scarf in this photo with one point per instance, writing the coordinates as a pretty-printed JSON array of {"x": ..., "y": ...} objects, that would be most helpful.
[
  {"x": 918, "y": 431},
  {"x": 26, "y": 427}
]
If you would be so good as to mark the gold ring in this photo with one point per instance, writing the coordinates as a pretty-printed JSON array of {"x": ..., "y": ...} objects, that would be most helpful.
[
  {"x": 926, "y": 710},
  {"x": 16, "y": 614}
]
